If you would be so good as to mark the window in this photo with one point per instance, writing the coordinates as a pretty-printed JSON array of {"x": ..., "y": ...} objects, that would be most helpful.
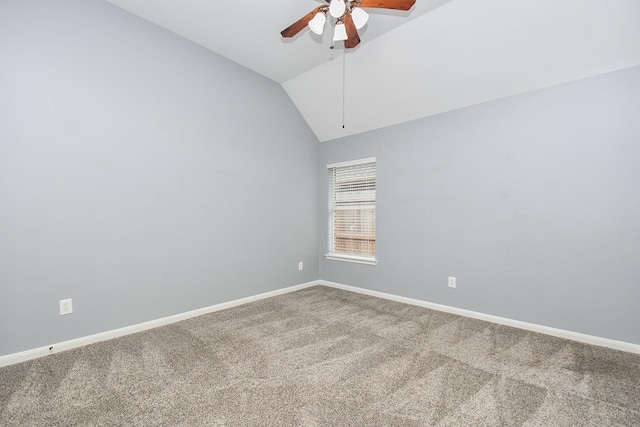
[{"x": 352, "y": 211}]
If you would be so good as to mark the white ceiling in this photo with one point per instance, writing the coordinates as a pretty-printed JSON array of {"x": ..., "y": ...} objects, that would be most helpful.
[
  {"x": 441, "y": 55},
  {"x": 248, "y": 31}
]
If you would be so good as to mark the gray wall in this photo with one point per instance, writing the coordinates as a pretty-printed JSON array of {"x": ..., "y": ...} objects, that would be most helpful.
[
  {"x": 532, "y": 202},
  {"x": 144, "y": 176},
  {"x": 140, "y": 175}
]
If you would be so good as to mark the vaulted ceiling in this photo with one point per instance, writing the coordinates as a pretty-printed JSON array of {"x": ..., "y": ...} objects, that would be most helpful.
[{"x": 439, "y": 56}]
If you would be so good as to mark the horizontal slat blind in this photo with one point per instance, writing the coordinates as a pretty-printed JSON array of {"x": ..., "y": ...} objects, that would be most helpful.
[{"x": 352, "y": 209}]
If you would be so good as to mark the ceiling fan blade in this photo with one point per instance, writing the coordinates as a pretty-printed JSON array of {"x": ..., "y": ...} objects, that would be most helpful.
[
  {"x": 353, "y": 39},
  {"x": 388, "y": 4},
  {"x": 301, "y": 23}
]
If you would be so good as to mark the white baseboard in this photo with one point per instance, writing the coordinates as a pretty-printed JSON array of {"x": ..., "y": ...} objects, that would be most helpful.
[
  {"x": 561, "y": 333},
  {"x": 23, "y": 356}
]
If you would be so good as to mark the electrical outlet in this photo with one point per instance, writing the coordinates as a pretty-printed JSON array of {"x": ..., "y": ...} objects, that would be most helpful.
[
  {"x": 300, "y": 266},
  {"x": 452, "y": 282},
  {"x": 66, "y": 306}
]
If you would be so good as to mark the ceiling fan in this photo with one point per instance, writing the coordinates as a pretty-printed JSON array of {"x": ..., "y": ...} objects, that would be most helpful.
[{"x": 348, "y": 15}]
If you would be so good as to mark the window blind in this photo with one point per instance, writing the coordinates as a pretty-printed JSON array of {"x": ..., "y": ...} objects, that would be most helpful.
[{"x": 352, "y": 209}]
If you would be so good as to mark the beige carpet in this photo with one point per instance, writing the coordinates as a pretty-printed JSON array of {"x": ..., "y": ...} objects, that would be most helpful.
[{"x": 326, "y": 357}]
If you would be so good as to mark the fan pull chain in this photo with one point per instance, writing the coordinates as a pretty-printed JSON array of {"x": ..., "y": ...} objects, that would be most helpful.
[{"x": 344, "y": 67}]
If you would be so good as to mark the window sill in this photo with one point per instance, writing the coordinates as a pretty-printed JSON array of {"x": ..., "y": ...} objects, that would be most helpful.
[{"x": 355, "y": 259}]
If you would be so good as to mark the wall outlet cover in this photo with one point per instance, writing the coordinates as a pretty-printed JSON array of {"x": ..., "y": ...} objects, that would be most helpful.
[{"x": 66, "y": 306}]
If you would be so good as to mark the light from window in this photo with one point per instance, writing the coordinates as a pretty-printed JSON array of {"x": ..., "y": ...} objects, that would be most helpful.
[{"x": 352, "y": 211}]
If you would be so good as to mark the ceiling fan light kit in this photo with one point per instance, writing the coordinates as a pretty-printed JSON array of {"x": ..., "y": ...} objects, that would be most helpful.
[
  {"x": 337, "y": 8},
  {"x": 360, "y": 17},
  {"x": 348, "y": 17},
  {"x": 340, "y": 32},
  {"x": 317, "y": 23}
]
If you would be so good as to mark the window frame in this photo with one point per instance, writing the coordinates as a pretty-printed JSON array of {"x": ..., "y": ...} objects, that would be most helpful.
[{"x": 331, "y": 252}]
